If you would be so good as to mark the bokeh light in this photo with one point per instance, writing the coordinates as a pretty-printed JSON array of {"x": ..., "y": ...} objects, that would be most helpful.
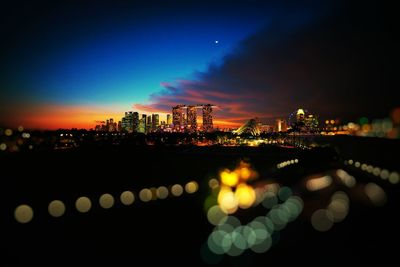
[
  {"x": 227, "y": 200},
  {"x": 23, "y": 213},
  {"x": 106, "y": 201},
  {"x": 83, "y": 204},
  {"x": 319, "y": 183},
  {"x": 8, "y": 132},
  {"x": 229, "y": 178},
  {"x": 394, "y": 178},
  {"x": 216, "y": 215},
  {"x": 162, "y": 192},
  {"x": 339, "y": 206},
  {"x": 191, "y": 187},
  {"x": 375, "y": 193},
  {"x": 245, "y": 195},
  {"x": 3, "y": 146},
  {"x": 177, "y": 190},
  {"x": 213, "y": 183},
  {"x": 322, "y": 220},
  {"x": 127, "y": 198},
  {"x": 346, "y": 178},
  {"x": 145, "y": 195},
  {"x": 56, "y": 208}
]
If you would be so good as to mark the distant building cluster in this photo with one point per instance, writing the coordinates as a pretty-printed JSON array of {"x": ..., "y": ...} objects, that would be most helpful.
[{"x": 183, "y": 119}]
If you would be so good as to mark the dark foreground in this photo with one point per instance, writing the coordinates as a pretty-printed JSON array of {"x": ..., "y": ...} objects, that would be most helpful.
[{"x": 174, "y": 231}]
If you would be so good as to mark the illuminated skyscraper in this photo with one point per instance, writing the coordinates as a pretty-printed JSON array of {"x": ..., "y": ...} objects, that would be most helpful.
[
  {"x": 280, "y": 126},
  {"x": 191, "y": 118},
  {"x": 155, "y": 119},
  {"x": 169, "y": 119},
  {"x": 300, "y": 115},
  {"x": 135, "y": 121},
  {"x": 177, "y": 118},
  {"x": 207, "y": 118},
  {"x": 127, "y": 122},
  {"x": 142, "y": 124}
]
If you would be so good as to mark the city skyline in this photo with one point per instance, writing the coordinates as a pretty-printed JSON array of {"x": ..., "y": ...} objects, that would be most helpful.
[{"x": 261, "y": 60}]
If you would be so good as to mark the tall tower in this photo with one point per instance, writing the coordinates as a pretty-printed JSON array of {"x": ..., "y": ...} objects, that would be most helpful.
[
  {"x": 192, "y": 118},
  {"x": 207, "y": 118},
  {"x": 169, "y": 119},
  {"x": 135, "y": 125},
  {"x": 155, "y": 119},
  {"x": 300, "y": 115},
  {"x": 177, "y": 119}
]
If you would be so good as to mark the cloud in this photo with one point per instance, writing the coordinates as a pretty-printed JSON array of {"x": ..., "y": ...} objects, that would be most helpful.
[{"x": 333, "y": 64}]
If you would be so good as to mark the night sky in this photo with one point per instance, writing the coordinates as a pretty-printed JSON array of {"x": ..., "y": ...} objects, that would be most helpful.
[{"x": 68, "y": 64}]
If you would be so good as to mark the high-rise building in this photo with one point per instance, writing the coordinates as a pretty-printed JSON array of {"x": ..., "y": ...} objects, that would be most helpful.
[
  {"x": 135, "y": 122},
  {"x": 207, "y": 118},
  {"x": 127, "y": 122},
  {"x": 177, "y": 118},
  {"x": 191, "y": 118},
  {"x": 169, "y": 119},
  {"x": 119, "y": 126},
  {"x": 155, "y": 119},
  {"x": 142, "y": 124},
  {"x": 280, "y": 126},
  {"x": 300, "y": 115}
]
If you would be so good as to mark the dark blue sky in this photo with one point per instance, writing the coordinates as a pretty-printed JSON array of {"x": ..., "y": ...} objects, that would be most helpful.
[{"x": 107, "y": 56}]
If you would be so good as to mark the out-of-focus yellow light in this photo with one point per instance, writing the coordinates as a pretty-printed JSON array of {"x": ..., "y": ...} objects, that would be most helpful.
[
  {"x": 327, "y": 122},
  {"x": 106, "y": 201},
  {"x": 319, "y": 183},
  {"x": 229, "y": 178},
  {"x": 227, "y": 200},
  {"x": 23, "y": 213},
  {"x": 153, "y": 193},
  {"x": 176, "y": 190},
  {"x": 375, "y": 193},
  {"x": 56, "y": 208},
  {"x": 8, "y": 132},
  {"x": 245, "y": 195},
  {"x": 127, "y": 198},
  {"x": 384, "y": 174},
  {"x": 20, "y": 128},
  {"x": 332, "y": 121},
  {"x": 213, "y": 183},
  {"x": 394, "y": 178},
  {"x": 145, "y": 195},
  {"x": 191, "y": 187},
  {"x": 83, "y": 204},
  {"x": 162, "y": 192},
  {"x": 3, "y": 146}
]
